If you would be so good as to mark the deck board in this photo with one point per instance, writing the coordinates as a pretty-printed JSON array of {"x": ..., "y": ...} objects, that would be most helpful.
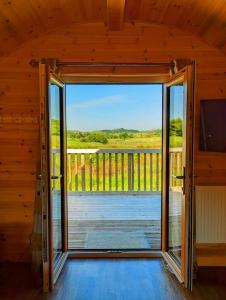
[{"x": 114, "y": 222}]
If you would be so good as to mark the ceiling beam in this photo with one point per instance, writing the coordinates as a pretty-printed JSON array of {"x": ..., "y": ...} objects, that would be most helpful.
[{"x": 115, "y": 14}]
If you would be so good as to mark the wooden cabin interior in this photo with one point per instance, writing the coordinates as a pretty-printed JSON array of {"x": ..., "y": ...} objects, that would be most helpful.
[{"x": 109, "y": 41}]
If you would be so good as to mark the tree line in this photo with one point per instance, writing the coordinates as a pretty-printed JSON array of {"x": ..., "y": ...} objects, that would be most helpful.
[
  {"x": 98, "y": 137},
  {"x": 103, "y": 136}
]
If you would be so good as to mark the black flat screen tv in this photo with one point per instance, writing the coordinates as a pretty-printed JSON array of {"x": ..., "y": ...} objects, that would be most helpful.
[{"x": 213, "y": 125}]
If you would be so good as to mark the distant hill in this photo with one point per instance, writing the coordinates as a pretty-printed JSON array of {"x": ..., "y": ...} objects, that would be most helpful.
[
  {"x": 55, "y": 128},
  {"x": 119, "y": 130}
]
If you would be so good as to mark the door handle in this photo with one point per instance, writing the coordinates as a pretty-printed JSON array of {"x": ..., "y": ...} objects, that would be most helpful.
[
  {"x": 182, "y": 177},
  {"x": 179, "y": 177},
  {"x": 56, "y": 176}
]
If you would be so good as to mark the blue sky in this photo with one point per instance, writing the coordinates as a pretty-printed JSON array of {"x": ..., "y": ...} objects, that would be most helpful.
[
  {"x": 176, "y": 106},
  {"x": 95, "y": 107}
]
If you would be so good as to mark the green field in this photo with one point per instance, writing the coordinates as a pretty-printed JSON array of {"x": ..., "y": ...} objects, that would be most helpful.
[
  {"x": 140, "y": 140},
  {"x": 132, "y": 143},
  {"x": 118, "y": 138},
  {"x": 154, "y": 142}
]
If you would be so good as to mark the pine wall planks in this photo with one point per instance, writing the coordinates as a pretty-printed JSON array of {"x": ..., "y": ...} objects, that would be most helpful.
[
  {"x": 19, "y": 107},
  {"x": 18, "y": 153}
]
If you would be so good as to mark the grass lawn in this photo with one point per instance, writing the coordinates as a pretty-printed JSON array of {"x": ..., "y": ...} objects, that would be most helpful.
[{"x": 154, "y": 142}]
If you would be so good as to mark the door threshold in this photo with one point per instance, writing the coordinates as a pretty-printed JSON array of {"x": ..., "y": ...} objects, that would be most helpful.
[{"x": 114, "y": 254}]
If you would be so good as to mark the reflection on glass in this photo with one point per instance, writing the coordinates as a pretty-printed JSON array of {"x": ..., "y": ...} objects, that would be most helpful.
[
  {"x": 56, "y": 170},
  {"x": 176, "y": 133}
]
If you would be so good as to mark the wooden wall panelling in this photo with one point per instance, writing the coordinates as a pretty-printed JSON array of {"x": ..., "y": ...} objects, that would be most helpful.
[
  {"x": 22, "y": 20},
  {"x": 18, "y": 154},
  {"x": 19, "y": 107}
]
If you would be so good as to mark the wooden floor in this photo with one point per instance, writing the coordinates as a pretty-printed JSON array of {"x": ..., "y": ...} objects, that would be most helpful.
[
  {"x": 114, "y": 221},
  {"x": 105, "y": 279}
]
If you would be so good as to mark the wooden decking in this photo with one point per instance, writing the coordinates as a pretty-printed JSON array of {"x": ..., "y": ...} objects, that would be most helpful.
[{"x": 114, "y": 221}]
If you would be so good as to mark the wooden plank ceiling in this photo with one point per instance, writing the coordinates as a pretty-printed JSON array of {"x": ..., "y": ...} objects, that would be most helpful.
[{"x": 21, "y": 20}]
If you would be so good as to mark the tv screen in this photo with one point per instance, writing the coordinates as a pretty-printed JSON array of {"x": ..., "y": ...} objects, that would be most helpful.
[{"x": 213, "y": 125}]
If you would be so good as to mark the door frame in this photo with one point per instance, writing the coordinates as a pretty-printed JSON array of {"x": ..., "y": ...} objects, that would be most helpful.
[
  {"x": 44, "y": 70},
  {"x": 55, "y": 270},
  {"x": 51, "y": 273},
  {"x": 184, "y": 274}
]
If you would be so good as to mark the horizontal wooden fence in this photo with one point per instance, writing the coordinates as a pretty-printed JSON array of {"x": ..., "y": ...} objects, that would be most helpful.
[{"x": 118, "y": 170}]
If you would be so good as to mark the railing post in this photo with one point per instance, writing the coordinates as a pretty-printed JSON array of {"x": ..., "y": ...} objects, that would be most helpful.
[
  {"x": 116, "y": 171},
  {"x": 103, "y": 171},
  {"x": 109, "y": 171},
  {"x": 151, "y": 175},
  {"x": 97, "y": 170},
  {"x": 179, "y": 166},
  {"x": 138, "y": 171},
  {"x": 173, "y": 168},
  {"x": 69, "y": 173},
  {"x": 122, "y": 158},
  {"x": 76, "y": 172},
  {"x": 132, "y": 171},
  {"x": 72, "y": 171},
  {"x": 90, "y": 173},
  {"x": 170, "y": 170},
  {"x": 83, "y": 169},
  {"x": 157, "y": 171},
  {"x": 145, "y": 173},
  {"x": 130, "y": 156}
]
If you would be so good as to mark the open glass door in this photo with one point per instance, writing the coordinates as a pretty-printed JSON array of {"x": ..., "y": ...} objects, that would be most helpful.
[
  {"x": 57, "y": 175},
  {"x": 177, "y": 174},
  {"x": 52, "y": 176}
]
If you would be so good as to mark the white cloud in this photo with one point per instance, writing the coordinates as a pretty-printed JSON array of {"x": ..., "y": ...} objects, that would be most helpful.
[{"x": 100, "y": 101}]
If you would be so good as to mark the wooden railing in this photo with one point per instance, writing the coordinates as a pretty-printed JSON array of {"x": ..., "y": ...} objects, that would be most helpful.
[{"x": 117, "y": 170}]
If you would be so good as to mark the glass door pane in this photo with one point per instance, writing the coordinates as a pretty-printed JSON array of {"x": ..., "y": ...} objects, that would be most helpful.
[
  {"x": 56, "y": 170},
  {"x": 176, "y": 170}
]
